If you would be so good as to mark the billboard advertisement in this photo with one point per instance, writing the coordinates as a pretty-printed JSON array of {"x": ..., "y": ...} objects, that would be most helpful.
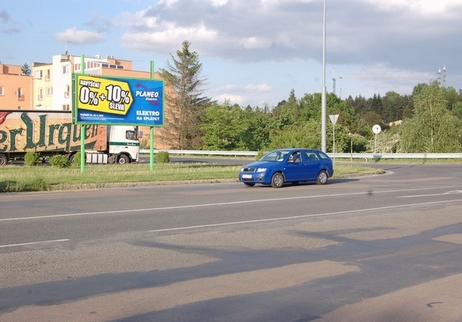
[{"x": 116, "y": 100}]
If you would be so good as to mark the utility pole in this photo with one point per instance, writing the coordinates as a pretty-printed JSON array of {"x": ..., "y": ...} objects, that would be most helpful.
[{"x": 323, "y": 103}]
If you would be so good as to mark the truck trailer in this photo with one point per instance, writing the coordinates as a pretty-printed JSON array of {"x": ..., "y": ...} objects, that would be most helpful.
[{"x": 52, "y": 132}]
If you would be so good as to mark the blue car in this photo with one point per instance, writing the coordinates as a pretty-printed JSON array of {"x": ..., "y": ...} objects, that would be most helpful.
[{"x": 288, "y": 165}]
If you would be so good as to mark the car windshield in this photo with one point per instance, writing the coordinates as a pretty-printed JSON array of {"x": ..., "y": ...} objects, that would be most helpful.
[{"x": 274, "y": 156}]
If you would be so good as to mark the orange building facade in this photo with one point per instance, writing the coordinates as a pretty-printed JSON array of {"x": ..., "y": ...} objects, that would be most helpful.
[{"x": 15, "y": 89}]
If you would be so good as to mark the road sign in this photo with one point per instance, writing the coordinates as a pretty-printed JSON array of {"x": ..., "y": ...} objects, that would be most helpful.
[{"x": 376, "y": 129}]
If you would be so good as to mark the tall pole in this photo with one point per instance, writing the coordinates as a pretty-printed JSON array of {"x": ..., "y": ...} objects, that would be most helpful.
[
  {"x": 324, "y": 109},
  {"x": 82, "y": 126},
  {"x": 151, "y": 128}
]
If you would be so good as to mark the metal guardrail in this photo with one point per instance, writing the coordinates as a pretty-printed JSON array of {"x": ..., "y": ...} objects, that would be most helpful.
[
  {"x": 378, "y": 156},
  {"x": 365, "y": 156},
  {"x": 205, "y": 152}
]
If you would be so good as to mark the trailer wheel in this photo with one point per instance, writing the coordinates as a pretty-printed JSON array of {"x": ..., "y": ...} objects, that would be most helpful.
[
  {"x": 111, "y": 159},
  {"x": 70, "y": 158},
  {"x": 123, "y": 159},
  {"x": 3, "y": 159}
]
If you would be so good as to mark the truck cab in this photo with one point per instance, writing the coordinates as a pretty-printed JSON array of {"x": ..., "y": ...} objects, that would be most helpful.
[{"x": 123, "y": 144}]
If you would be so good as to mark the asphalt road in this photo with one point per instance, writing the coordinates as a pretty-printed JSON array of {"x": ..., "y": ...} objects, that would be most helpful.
[{"x": 379, "y": 248}]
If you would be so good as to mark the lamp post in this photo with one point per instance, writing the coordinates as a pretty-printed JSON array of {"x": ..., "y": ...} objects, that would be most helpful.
[{"x": 323, "y": 99}]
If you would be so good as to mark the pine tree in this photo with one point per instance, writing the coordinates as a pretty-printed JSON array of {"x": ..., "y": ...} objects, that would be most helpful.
[
  {"x": 25, "y": 70},
  {"x": 185, "y": 101}
]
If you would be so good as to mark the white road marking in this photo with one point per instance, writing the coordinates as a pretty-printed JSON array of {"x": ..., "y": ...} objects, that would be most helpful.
[
  {"x": 218, "y": 204},
  {"x": 453, "y": 192},
  {"x": 35, "y": 243},
  {"x": 302, "y": 216}
]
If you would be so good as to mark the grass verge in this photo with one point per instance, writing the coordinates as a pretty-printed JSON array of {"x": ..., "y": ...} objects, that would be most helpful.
[{"x": 43, "y": 178}]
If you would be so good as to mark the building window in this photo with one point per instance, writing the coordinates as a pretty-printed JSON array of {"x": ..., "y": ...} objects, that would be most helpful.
[
  {"x": 19, "y": 94},
  {"x": 65, "y": 69},
  {"x": 38, "y": 74},
  {"x": 2, "y": 91},
  {"x": 65, "y": 107},
  {"x": 67, "y": 91},
  {"x": 49, "y": 91},
  {"x": 47, "y": 76},
  {"x": 40, "y": 94}
]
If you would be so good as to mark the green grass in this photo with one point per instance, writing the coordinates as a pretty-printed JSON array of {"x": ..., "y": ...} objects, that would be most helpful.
[{"x": 42, "y": 178}]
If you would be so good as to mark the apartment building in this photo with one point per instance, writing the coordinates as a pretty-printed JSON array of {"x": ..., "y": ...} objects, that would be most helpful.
[{"x": 15, "y": 88}]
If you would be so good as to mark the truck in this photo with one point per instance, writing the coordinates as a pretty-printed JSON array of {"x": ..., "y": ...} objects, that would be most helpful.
[{"x": 52, "y": 133}]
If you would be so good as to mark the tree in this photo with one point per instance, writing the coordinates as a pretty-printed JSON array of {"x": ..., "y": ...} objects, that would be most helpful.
[
  {"x": 185, "y": 101},
  {"x": 232, "y": 128},
  {"x": 433, "y": 128},
  {"x": 25, "y": 70}
]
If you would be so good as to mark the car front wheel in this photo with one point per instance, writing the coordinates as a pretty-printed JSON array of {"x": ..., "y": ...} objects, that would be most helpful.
[
  {"x": 322, "y": 177},
  {"x": 277, "y": 180}
]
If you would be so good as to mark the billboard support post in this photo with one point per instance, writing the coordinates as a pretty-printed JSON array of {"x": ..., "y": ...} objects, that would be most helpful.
[
  {"x": 82, "y": 126},
  {"x": 151, "y": 128}
]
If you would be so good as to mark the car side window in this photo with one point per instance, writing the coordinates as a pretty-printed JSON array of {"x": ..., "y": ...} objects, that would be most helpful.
[
  {"x": 323, "y": 156},
  {"x": 295, "y": 157},
  {"x": 311, "y": 156}
]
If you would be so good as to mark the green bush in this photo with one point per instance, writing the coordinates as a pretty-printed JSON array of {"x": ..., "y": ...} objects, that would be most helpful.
[
  {"x": 162, "y": 157},
  {"x": 31, "y": 158},
  {"x": 59, "y": 161},
  {"x": 76, "y": 158}
]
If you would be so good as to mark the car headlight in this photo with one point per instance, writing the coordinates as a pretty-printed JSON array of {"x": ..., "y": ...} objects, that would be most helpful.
[{"x": 261, "y": 170}]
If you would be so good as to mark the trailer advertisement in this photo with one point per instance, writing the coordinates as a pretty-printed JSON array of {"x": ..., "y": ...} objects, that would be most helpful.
[{"x": 46, "y": 131}]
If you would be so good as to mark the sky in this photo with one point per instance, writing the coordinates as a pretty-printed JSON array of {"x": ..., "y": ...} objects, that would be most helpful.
[{"x": 253, "y": 52}]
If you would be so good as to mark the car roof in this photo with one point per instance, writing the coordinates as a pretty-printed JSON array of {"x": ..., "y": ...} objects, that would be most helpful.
[{"x": 296, "y": 149}]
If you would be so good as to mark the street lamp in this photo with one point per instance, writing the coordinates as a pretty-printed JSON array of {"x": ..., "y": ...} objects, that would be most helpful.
[{"x": 323, "y": 99}]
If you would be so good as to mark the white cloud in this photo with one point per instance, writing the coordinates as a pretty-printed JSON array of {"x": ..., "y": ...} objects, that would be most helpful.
[
  {"x": 231, "y": 98},
  {"x": 255, "y": 43},
  {"x": 219, "y": 3},
  {"x": 168, "y": 38},
  {"x": 425, "y": 7},
  {"x": 137, "y": 20},
  {"x": 248, "y": 94},
  {"x": 248, "y": 88},
  {"x": 75, "y": 36},
  {"x": 168, "y": 3},
  {"x": 258, "y": 88}
]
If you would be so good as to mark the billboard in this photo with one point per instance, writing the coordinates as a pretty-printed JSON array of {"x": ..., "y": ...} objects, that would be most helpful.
[{"x": 117, "y": 100}]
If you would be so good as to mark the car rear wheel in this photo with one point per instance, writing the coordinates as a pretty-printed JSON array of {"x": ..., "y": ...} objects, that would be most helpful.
[
  {"x": 277, "y": 180},
  {"x": 322, "y": 177},
  {"x": 249, "y": 184}
]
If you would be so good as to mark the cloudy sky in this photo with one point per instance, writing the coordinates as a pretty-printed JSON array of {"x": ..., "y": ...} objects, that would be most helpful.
[{"x": 254, "y": 52}]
